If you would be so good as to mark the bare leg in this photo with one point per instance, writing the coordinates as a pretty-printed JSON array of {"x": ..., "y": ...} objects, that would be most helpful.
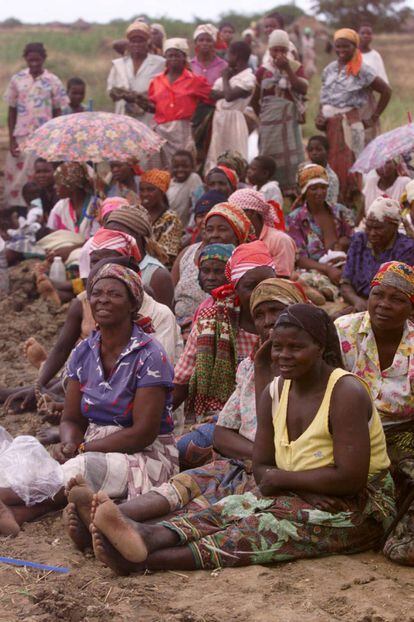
[
  {"x": 145, "y": 507},
  {"x": 8, "y": 524},
  {"x": 24, "y": 514},
  {"x": 46, "y": 289},
  {"x": 48, "y": 435},
  {"x": 78, "y": 512}
]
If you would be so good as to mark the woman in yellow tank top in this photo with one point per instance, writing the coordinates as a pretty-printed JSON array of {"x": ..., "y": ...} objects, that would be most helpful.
[{"x": 319, "y": 460}]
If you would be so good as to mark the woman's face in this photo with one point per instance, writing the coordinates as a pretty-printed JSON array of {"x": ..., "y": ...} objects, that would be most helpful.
[
  {"x": 249, "y": 281},
  {"x": 138, "y": 45},
  {"x": 211, "y": 274},
  {"x": 102, "y": 253},
  {"x": 110, "y": 302},
  {"x": 294, "y": 352},
  {"x": 218, "y": 181},
  {"x": 121, "y": 171},
  {"x": 388, "y": 170},
  {"x": 205, "y": 43},
  {"x": 157, "y": 37},
  {"x": 43, "y": 173},
  {"x": 265, "y": 315},
  {"x": 35, "y": 62},
  {"x": 175, "y": 60},
  {"x": 316, "y": 194},
  {"x": 151, "y": 197},
  {"x": 218, "y": 231},
  {"x": 388, "y": 307},
  {"x": 380, "y": 234},
  {"x": 277, "y": 51},
  {"x": 344, "y": 50}
]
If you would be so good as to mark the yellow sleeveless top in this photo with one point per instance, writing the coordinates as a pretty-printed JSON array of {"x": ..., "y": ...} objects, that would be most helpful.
[{"x": 314, "y": 447}]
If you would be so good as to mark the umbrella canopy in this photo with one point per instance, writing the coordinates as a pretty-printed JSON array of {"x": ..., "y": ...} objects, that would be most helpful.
[
  {"x": 385, "y": 147},
  {"x": 93, "y": 137}
]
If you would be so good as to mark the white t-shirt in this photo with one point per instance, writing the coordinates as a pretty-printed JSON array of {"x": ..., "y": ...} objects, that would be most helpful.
[
  {"x": 371, "y": 190},
  {"x": 374, "y": 60},
  {"x": 271, "y": 191}
]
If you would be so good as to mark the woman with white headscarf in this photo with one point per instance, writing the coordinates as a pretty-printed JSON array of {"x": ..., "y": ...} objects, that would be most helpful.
[{"x": 131, "y": 75}]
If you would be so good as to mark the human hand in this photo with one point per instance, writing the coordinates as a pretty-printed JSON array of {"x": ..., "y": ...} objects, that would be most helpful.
[
  {"x": 360, "y": 304},
  {"x": 28, "y": 400},
  {"x": 281, "y": 62},
  {"x": 262, "y": 357},
  {"x": 268, "y": 484},
  {"x": 334, "y": 274},
  {"x": 62, "y": 452}
]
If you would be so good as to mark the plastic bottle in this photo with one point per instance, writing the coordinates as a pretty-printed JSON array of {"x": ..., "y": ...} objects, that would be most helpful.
[{"x": 57, "y": 270}]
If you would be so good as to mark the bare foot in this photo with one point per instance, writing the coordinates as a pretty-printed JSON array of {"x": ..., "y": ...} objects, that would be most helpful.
[
  {"x": 34, "y": 352},
  {"x": 8, "y": 524},
  {"x": 109, "y": 556},
  {"x": 46, "y": 289},
  {"x": 79, "y": 493},
  {"x": 120, "y": 531},
  {"x": 75, "y": 528},
  {"x": 48, "y": 435}
]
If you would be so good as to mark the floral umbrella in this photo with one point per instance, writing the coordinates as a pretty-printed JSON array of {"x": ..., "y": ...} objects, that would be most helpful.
[
  {"x": 385, "y": 147},
  {"x": 93, "y": 137}
]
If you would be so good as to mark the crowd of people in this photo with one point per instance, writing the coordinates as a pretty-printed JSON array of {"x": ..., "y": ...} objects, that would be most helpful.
[{"x": 232, "y": 384}]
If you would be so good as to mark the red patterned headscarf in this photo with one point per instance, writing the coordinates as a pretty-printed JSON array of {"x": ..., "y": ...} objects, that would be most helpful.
[
  {"x": 118, "y": 241},
  {"x": 247, "y": 257},
  {"x": 249, "y": 199},
  {"x": 397, "y": 274},
  {"x": 235, "y": 217}
]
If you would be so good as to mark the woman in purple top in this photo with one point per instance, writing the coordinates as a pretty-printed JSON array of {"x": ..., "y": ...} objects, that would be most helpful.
[
  {"x": 379, "y": 243},
  {"x": 116, "y": 429}
]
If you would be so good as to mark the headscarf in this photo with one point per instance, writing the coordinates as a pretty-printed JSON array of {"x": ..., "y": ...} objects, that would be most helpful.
[
  {"x": 354, "y": 65},
  {"x": 135, "y": 217},
  {"x": 247, "y": 257},
  {"x": 206, "y": 29},
  {"x": 235, "y": 217},
  {"x": 317, "y": 323},
  {"x": 278, "y": 290},
  {"x": 249, "y": 199},
  {"x": 128, "y": 277},
  {"x": 279, "y": 38},
  {"x": 110, "y": 204},
  {"x": 397, "y": 274},
  {"x": 207, "y": 201},
  {"x": 140, "y": 28},
  {"x": 176, "y": 43},
  {"x": 311, "y": 174},
  {"x": 73, "y": 175},
  {"x": 160, "y": 29},
  {"x": 220, "y": 252},
  {"x": 118, "y": 241},
  {"x": 233, "y": 160},
  {"x": 158, "y": 178},
  {"x": 385, "y": 209},
  {"x": 230, "y": 175},
  {"x": 409, "y": 191},
  {"x": 248, "y": 31}
]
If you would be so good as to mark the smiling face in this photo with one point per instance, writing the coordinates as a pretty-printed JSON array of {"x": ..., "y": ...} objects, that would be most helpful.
[
  {"x": 181, "y": 168},
  {"x": 35, "y": 63},
  {"x": 151, "y": 196},
  {"x": 265, "y": 315},
  {"x": 111, "y": 303},
  {"x": 294, "y": 352},
  {"x": 138, "y": 45},
  {"x": 344, "y": 50},
  {"x": 218, "y": 231},
  {"x": 121, "y": 171},
  {"x": 388, "y": 307},
  {"x": 211, "y": 274}
]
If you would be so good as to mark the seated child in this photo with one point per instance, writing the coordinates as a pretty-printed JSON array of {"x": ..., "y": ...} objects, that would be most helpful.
[
  {"x": 317, "y": 150},
  {"x": 21, "y": 239},
  {"x": 185, "y": 181},
  {"x": 260, "y": 174}
]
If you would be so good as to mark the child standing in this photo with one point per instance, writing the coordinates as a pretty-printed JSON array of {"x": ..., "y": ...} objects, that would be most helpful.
[
  {"x": 185, "y": 181},
  {"x": 76, "y": 90},
  {"x": 317, "y": 149},
  {"x": 233, "y": 91}
]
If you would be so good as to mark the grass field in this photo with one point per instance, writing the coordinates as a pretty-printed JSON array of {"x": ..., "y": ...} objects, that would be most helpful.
[{"x": 88, "y": 55}]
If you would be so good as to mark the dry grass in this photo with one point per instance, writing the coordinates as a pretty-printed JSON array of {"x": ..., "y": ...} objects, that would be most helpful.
[{"x": 88, "y": 55}]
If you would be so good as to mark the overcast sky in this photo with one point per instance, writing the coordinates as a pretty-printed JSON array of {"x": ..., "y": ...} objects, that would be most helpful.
[{"x": 38, "y": 11}]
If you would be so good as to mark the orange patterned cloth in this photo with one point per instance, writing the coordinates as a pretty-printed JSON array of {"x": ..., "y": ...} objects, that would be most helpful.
[
  {"x": 397, "y": 274},
  {"x": 354, "y": 65},
  {"x": 236, "y": 218},
  {"x": 156, "y": 177}
]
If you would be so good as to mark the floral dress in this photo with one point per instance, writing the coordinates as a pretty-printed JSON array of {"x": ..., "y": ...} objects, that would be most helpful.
[{"x": 35, "y": 100}]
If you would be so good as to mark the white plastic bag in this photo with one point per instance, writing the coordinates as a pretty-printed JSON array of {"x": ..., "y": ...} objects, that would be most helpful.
[{"x": 28, "y": 469}]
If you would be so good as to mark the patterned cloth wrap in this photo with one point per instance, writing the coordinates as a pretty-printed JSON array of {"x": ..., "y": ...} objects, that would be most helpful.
[
  {"x": 249, "y": 199},
  {"x": 236, "y": 218},
  {"x": 311, "y": 174},
  {"x": 128, "y": 277},
  {"x": 73, "y": 175},
  {"x": 118, "y": 241},
  {"x": 220, "y": 252},
  {"x": 396, "y": 274},
  {"x": 156, "y": 177},
  {"x": 385, "y": 209}
]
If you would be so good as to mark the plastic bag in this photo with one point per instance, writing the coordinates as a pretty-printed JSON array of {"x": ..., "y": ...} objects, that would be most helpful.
[{"x": 28, "y": 469}]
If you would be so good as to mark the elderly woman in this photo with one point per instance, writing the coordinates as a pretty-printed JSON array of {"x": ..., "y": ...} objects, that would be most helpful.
[
  {"x": 173, "y": 96},
  {"x": 323, "y": 488},
  {"x": 130, "y": 76},
  {"x": 223, "y": 224},
  {"x": 116, "y": 429},
  {"x": 346, "y": 84},
  {"x": 279, "y": 104},
  {"x": 222, "y": 337},
  {"x": 212, "y": 262},
  {"x": 231, "y": 472},
  {"x": 318, "y": 228},
  {"x": 265, "y": 219},
  {"x": 380, "y": 242},
  {"x": 34, "y": 96},
  {"x": 166, "y": 225}
]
